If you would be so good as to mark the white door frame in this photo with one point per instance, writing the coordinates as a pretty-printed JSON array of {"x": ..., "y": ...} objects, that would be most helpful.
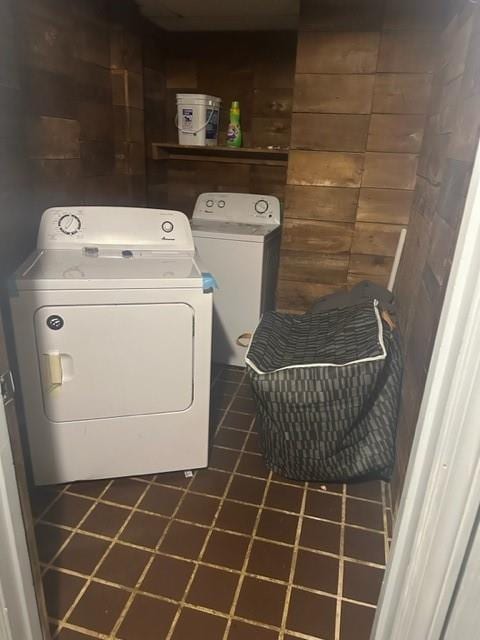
[
  {"x": 19, "y": 616},
  {"x": 438, "y": 510}
]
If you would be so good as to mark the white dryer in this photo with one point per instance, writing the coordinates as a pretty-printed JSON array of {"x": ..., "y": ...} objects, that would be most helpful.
[
  {"x": 113, "y": 335},
  {"x": 237, "y": 238}
]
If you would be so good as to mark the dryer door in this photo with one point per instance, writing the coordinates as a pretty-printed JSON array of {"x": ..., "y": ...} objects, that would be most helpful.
[{"x": 105, "y": 361}]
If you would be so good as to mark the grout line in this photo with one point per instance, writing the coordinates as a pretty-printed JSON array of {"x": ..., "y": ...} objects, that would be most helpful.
[
  {"x": 183, "y": 602},
  {"x": 293, "y": 564},
  {"x": 135, "y": 589},
  {"x": 51, "y": 503},
  {"x": 385, "y": 523},
  {"x": 75, "y": 529},
  {"x": 104, "y": 555},
  {"x": 247, "y": 557},
  {"x": 341, "y": 564}
]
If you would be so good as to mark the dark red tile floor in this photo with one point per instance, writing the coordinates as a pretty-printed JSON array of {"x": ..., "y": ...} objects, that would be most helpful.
[{"x": 232, "y": 553}]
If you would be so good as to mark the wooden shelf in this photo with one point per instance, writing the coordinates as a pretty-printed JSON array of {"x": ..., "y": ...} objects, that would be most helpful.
[{"x": 241, "y": 155}]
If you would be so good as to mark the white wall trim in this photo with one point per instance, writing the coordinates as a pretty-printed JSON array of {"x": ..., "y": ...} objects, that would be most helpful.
[{"x": 442, "y": 489}]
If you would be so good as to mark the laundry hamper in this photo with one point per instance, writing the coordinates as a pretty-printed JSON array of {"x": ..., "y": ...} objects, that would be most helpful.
[{"x": 327, "y": 388}]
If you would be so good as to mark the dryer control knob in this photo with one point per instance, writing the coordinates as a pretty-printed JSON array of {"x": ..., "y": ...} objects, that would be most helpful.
[
  {"x": 221, "y": 204},
  {"x": 209, "y": 203},
  {"x": 261, "y": 206},
  {"x": 167, "y": 226}
]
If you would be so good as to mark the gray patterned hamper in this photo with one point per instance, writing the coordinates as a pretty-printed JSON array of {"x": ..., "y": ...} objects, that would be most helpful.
[{"x": 327, "y": 388}]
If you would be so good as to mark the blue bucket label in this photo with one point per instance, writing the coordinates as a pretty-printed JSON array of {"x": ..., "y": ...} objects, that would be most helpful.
[
  {"x": 187, "y": 118},
  {"x": 212, "y": 126}
]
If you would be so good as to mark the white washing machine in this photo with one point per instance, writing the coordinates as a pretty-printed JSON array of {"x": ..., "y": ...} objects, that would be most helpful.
[
  {"x": 113, "y": 335},
  {"x": 237, "y": 238}
]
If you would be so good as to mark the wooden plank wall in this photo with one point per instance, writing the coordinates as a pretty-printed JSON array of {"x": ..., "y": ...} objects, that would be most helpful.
[
  {"x": 362, "y": 83},
  {"x": 84, "y": 96},
  {"x": 255, "y": 68},
  {"x": 443, "y": 177}
]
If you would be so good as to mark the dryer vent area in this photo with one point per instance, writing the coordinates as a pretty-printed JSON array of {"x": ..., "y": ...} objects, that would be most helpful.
[{"x": 232, "y": 552}]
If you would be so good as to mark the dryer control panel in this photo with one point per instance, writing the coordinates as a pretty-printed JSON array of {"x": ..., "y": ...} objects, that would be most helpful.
[
  {"x": 238, "y": 207},
  {"x": 115, "y": 227}
]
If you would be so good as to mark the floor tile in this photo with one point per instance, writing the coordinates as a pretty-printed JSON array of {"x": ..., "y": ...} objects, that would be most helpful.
[
  {"x": 245, "y": 390},
  {"x": 198, "y": 509},
  {"x": 70, "y": 634},
  {"x": 361, "y": 582},
  {"x": 237, "y": 420},
  {"x": 244, "y": 631},
  {"x": 253, "y": 443},
  {"x": 223, "y": 459},
  {"x": 261, "y": 601},
  {"x": 173, "y": 479},
  {"x": 231, "y": 438},
  {"x": 213, "y": 589},
  {"x": 221, "y": 401},
  {"x": 226, "y": 550},
  {"x": 356, "y": 622},
  {"x": 316, "y": 571},
  {"x": 246, "y": 489},
  {"x": 201, "y": 626},
  {"x": 82, "y": 553},
  {"x": 105, "y": 520},
  {"x": 68, "y": 510},
  {"x": 168, "y": 577},
  {"x": 324, "y": 536},
  {"x": 286, "y": 497},
  {"x": 225, "y": 387},
  {"x": 274, "y": 525},
  {"x": 234, "y": 375},
  {"x": 312, "y": 614},
  {"x": 324, "y": 505},
  {"x": 364, "y": 545},
  {"x": 123, "y": 565},
  {"x": 270, "y": 560},
  {"x": 60, "y": 590},
  {"x": 327, "y": 487},
  {"x": 210, "y": 481},
  {"x": 364, "y": 514},
  {"x": 99, "y": 607},
  {"x": 147, "y": 619},
  {"x": 41, "y": 497},
  {"x": 252, "y": 464},
  {"x": 90, "y": 489},
  {"x": 369, "y": 490},
  {"x": 185, "y": 540},
  {"x": 49, "y": 540},
  {"x": 144, "y": 530},
  {"x": 245, "y": 405},
  {"x": 124, "y": 491},
  {"x": 161, "y": 500},
  {"x": 236, "y": 517}
]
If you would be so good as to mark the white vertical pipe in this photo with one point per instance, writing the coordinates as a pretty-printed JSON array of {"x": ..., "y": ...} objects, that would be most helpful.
[{"x": 396, "y": 261}]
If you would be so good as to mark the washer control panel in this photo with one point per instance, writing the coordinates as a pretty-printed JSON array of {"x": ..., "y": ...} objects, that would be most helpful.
[
  {"x": 121, "y": 227},
  {"x": 238, "y": 207}
]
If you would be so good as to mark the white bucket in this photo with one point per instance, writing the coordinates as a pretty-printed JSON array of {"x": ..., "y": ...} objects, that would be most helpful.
[{"x": 197, "y": 119}]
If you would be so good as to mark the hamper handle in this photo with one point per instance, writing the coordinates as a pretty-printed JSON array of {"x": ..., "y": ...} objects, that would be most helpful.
[{"x": 243, "y": 340}]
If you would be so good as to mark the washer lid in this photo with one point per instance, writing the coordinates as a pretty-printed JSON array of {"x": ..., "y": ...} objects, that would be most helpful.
[
  {"x": 231, "y": 230},
  {"x": 112, "y": 269}
]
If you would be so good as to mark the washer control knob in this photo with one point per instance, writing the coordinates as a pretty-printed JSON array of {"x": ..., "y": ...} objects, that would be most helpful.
[
  {"x": 221, "y": 204},
  {"x": 261, "y": 206},
  {"x": 209, "y": 203},
  {"x": 167, "y": 226}
]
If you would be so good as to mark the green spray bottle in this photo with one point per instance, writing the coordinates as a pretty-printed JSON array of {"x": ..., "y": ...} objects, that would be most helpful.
[{"x": 234, "y": 132}]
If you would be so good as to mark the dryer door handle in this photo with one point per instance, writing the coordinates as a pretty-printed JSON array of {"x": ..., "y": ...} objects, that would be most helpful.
[{"x": 54, "y": 370}]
